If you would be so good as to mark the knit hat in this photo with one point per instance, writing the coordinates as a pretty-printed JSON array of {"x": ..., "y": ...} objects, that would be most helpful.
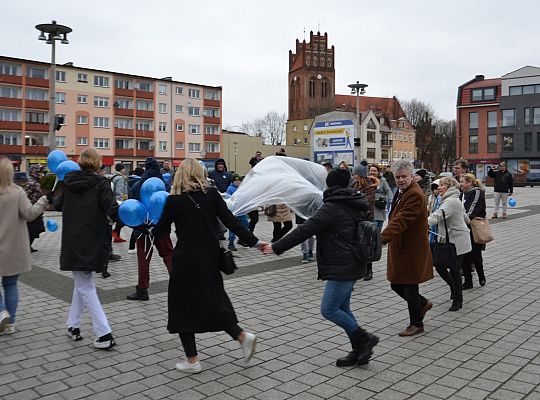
[
  {"x": 421, "y": 173},
  {"x": 119, "y": 167},
  {"x": 338, "y": 177},
  {"x": 361, "y": 169}
]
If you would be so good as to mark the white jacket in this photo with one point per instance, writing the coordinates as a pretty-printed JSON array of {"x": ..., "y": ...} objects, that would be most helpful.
[{"x": 456, "y": 220}]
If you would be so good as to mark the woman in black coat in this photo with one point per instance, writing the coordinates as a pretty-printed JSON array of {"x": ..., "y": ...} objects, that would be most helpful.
[
  {"x": 197, "y": 299},
  {"x": 335, "y": 225},
  {"x": 474, "y": 201},
  {"x": 86, "y": 203}
]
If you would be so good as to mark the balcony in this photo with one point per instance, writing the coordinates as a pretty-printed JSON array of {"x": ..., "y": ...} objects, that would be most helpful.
[
  {"x": 144, "y": 134},
  {"x": 144, "y": 114},
  {"x": 39, "y": 82},
  {"x": 141, "y": 94},
  {"x": 211, "y": 120},
  {"x": 124, "y": 152},
  {"x": 144, "y": 153},
  {"x": 36, "y": 127},
  {"x": 387, "y": 142},
  {"x": 10, "y": 102},
  {"x": 212, "y": 138},
  {"x": 36, "y": 150},
  {"x": 39, "y": 104},
  {"x": 211, "y": 103},
  {"x": 17, "y": 80},
  {"x": 11, "y": 125},
  {"x": 124, "y": 112},
  {"x": 124, "y": 92},
  {"x": 10, "y": 149},
  {"x": 124, "y": 132},
  {"x": 213, "y": 155}
]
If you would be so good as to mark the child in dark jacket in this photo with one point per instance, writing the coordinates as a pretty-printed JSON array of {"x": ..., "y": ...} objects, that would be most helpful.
[{"x": 233, "y": 187}]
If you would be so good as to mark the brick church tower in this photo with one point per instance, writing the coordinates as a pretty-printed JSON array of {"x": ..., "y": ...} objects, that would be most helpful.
[{"x": 311, "y": 78}]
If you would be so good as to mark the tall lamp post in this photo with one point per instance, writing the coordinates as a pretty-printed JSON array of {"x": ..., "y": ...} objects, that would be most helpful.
[
  {"x": 51, "y": 33},
  {"x": 358, "y": 89}
]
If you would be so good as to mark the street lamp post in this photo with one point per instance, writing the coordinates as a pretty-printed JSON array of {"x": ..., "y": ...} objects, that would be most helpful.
[
  {"x": 358, "y": 89},
  {"x": 51, "y": 33}
]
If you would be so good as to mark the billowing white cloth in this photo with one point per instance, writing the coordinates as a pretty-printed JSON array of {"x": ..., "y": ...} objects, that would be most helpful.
[{"x": 281, "y": 180}]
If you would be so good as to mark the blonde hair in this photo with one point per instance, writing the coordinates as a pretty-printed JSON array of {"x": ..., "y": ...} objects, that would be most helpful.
[
  {"x": 449, "y": 182},
  {"x": 6, "y": 175},
  {"x": 472, "y": 179},
  {"x": 90, "y": 160},
  {"x": 189, "y": 177}
]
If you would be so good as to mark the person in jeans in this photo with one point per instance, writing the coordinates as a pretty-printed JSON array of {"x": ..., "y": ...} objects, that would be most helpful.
[
  {"x": 409, "y": 256},
  {"x": 504, "y": 187},
  {"x": 307, "y": 245},
  {"x": 334, "y": 225},
  {"x": 15, "y": 211}
]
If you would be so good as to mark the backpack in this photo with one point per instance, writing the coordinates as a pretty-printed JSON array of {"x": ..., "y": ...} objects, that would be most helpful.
[{"x": 366, "y": 246}]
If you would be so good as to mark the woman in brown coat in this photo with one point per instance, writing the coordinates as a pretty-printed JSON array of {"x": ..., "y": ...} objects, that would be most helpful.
[
  {"x": 282, "y": 221},
  {"x": 409, "y": 256}
]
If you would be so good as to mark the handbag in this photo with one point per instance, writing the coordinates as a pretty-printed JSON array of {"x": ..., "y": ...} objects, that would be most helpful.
[
  {"x": 226, "y": 258},
  {"x": 444, "y": 254},
  {"x": 380, "y": 202},
  {"x": 481, "y": 230},
  {"x": 270, "y": 211}
]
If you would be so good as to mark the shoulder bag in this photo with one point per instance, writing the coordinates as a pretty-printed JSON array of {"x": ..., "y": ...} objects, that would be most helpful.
[
  {"x": 481, "y": 230},
  {"x": 226, "y": 258},
  {"x": 444, "y": 253}
]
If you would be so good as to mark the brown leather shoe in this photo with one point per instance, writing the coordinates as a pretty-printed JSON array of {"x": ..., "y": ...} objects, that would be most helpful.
[
  {"x": 426, "y": 308},
  {"x": 412, "y": 330}
]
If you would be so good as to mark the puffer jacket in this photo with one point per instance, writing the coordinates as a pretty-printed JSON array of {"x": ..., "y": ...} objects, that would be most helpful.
[
  {"x": 334, "y": 225},
  {"x": 283, "y": 214},
  {"x": 222, "y": 179}
]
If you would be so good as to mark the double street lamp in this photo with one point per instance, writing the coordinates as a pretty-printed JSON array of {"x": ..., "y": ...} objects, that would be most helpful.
[
  {"x": 358, "y": 89},
  {"x": 52, "y": 33}
]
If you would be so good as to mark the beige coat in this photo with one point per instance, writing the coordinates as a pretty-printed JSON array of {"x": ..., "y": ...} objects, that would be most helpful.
[
  {"x": 283, "y": 213},
  {"x": 15, "y": 211}
]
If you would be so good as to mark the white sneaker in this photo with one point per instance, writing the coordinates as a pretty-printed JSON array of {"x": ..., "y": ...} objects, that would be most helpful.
[
  {"x": 188, "y": 368},
  {"x": 132, "y": 251},
  {"x": 4, "y": 319},
  {"x": 248, "y": 345},
  {"x": 10, "y": 329},
  {"x": 104, "y": 342}
]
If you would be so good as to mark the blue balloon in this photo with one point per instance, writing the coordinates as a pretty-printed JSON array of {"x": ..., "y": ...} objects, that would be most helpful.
[
  {"x": 512, "y": 202},
  {"x": 66, "y": 167},
  {"x": 148, "y": 188},
  {"x": 52, "y": 226},
  {"x": 54, "y": 159},
  {"x": 167, "y": 177},
  {"x": 132, "y": 212},
  {"x": 155, "y": 206}
]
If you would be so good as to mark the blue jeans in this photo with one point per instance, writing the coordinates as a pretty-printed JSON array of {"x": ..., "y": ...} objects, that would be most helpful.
[
  {"x": 335, "y": 305},
  {"x": 11, "y": 293},
  {"x": 244, "y": 220}
]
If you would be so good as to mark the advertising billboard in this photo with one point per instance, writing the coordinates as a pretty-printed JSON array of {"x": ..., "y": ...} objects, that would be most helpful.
[{"x": 333, "y": 141}]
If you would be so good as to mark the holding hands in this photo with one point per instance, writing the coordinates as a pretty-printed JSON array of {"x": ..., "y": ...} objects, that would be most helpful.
[{"x": 268, "y": 249}]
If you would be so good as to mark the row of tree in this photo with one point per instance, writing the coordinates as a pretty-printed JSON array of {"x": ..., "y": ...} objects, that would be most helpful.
[{"x": 270, "y": 128}]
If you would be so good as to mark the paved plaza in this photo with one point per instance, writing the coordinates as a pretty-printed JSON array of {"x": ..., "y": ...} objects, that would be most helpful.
[{"x": 487, "y": 350}]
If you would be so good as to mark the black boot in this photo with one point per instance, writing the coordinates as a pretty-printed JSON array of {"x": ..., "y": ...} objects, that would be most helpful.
[
  {"x": 366, "y": 350},
  {"x": 352, "y": 357},
  {"x": 481, "y": 276},
  {"x": 140, "y": 294},
  {"x": 468, "y": 283},
  {"x": 369, "y": 272},
  {"x": 362, "y": 344}
]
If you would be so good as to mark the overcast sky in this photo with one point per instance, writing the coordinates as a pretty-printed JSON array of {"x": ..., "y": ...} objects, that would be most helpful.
[{"x": 410, "y": 49}]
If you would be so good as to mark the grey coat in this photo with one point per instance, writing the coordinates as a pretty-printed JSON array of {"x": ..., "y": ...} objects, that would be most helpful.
[
  {"x": 384, "y": 191},
  {"x": 120, "y": 186},
  {"x": 15, "y": 211},
  {"x": 456, "y": 220}
]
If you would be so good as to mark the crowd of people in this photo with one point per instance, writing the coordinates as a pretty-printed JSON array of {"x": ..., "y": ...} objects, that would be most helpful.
[{"x": 411, "y": 213}]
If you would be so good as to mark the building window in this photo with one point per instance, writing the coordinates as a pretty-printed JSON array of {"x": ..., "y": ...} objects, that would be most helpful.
[
  {"x": 194, "y": 94},
  {"x": 145, "y": 145},
  {"x": 527, "y": 141},
  {"x": 82, "y": 141},
  {"x": 60, "y": 98},
  {"x": 212, "y": 147},
  {"x": 122, "y": 84},
  {"x": 370, "y": 152},
  {"x": 123, "y": 123},
  {"x": 10, "y": 115},
  {"x": 102, "y": 102},
  {"x": 143, "y": 125},
  {"x": 483, "y": 94},
  {"x": 194, "y": 148},
  {"x": 125, "y": 104},
  {"x": 492, "y": 119},
  {"x": 509, "y": 117},
  {"x": 179, "y": 108},
  {"x": 144, "y": 86},
  {"x": 371, "y": 124},
  {"x": 311, "y": 88},
  {"x": 306, "y": 140},
  {"x": 473, "y": 144},
  {"x": 34, "y": 72},
  {"x": 162, "y": 108},
  {"x": 294, "y": 128},
  {"x": 179, "y": 128},
  {"x": 211, "y": 95},
  {"x": 36, "y": 94},
  {"x": 101, "y": 143},
  {"x": 492, "y": 143},
  {"x": 508, "y": 142},
  {"x": 537, "y": 141},
  {"x": 162, "y": 145},
  {"x": 34, "y": 117},
  {"x": 62, "y": 117},
  {"x": 179, "y": 146},
  {"x": 82, "y": 120},
  {"x": 101, "y": 81},
  {"x": 162, "y": 127},
  {"x": 101, "y": 122},
  {"x": 10, "y": 92},
  {"x": 179, "y": 91},
  {"x": 82, "y": 99},
  {"x": 195, "y": 129},
  {"x": 144, "y": 105},
  {"x": 536, "y": 116},
  {"x": 526, "y": 89},
  {"x": 527, "y": 116},
  {"x": 323, "y": 89},
  {"x": 473, "y": 120},
  {"x": 195, "y": 111},
  {"x": 384, "y": 154},
  {"x": 123, "y": 144},
  {"x": 82, "y": 78},
  {"x": 10, "y": 139},
  {"x": 211, "y": 129},
  {"x": 371, "y": 137},
  {"x": 305, "y": 127},
  {"x": 162, "y": 89},
  {"x": 211, "y": 112},
  {"x": 60, "y": 141},
  {"x": 10, "y": 69},
  {"x": 61, "y": 77}
]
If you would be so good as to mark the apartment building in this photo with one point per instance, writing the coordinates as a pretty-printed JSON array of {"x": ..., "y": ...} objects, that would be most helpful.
[{"x": 125, "y": 117}]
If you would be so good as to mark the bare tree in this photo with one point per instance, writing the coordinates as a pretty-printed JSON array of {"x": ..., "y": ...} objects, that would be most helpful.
[
  {"x": 271, "y": 128},
  {"x": 417, "y": 111},
  {"x": 445, "y": 142}
]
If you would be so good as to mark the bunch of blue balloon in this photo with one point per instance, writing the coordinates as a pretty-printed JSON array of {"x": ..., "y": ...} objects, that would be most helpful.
[
  {"x": 147, "y": 211},
  {"x": 60, "y": 165}
]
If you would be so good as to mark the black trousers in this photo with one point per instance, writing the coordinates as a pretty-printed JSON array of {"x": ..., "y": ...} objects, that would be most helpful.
[
  {"x": 280, "y": 231},
  {"x": 470, "y": 259},
  {"x": 253, "y": 219},
  {"x": 118, "y": 227},
  {"x": 452, "y": 276},
  {"x": 190, "y": 347},
  {"x": 133, "y": 239},
  {"x": 415, "y": 302}
]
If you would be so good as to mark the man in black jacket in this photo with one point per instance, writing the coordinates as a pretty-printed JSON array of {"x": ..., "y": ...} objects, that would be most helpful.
[
  {"x": 504, "y": 187},
  {"x": 221, "y": 177},
  {"x": 334, "y": 224}
]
